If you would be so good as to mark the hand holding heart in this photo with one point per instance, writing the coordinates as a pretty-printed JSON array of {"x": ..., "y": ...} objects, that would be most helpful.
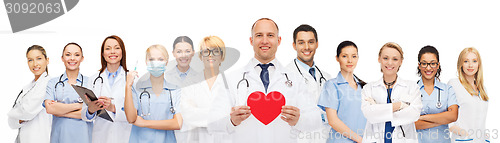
[
  {"x": 265, "y": 109},
  {"x": 239, "y": 114},
  {"x": 290, "y": 114}
]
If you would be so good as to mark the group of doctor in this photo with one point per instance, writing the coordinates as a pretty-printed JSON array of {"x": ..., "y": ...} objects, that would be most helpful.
[{"x": 183, "y": 105}]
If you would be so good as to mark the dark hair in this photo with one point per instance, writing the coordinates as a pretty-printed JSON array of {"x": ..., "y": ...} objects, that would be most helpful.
[
  {"x": 123, "y": 61},
  {"x": 341, "y": 46},
  {"x": 72, "y": 43},
  {"x": 183, "y": 39},
  {"x": 344, "y": 44},
  {"x": 41, "y": 49},
  {"x": 253, "y": 25},
  {"x": 432, "y": 50},
  {"x": 305, "y": 28}
]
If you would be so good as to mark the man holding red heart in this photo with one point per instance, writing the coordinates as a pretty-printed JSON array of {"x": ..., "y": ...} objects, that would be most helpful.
[{"x": 266, "y": 91}]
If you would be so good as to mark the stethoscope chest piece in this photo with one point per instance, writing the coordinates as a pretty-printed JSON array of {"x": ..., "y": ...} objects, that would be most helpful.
[
  {"x": 172, "y": 110},
  {"x": 439, "y": 105},
  {"x": 289, "y": 83}
]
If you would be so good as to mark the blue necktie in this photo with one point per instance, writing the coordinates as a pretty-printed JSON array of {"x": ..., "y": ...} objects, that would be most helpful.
[
  {"x": 388, "y": 125},
  {"x": 312, "y": 72},
  {"x": 264, "y": 74}
]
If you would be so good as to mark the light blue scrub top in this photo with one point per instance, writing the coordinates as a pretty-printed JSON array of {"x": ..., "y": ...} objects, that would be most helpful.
[
  {"x": 67, "y": 130},
  {"x": 439, "y": 134},
  {"x": 159, "y": 109},
  {"x": 338, "y": 95}
]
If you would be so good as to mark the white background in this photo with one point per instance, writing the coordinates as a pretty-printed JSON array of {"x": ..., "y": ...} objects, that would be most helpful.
[{"x": 450, "y": 26}]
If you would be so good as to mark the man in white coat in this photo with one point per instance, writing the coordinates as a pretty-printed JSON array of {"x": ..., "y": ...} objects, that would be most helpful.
[
  {"x": 249, "y": 122},
  {"x": 305, "y": 42}
]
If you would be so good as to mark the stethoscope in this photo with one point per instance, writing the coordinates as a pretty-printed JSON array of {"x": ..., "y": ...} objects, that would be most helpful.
[
  {"x": 320, "y": 73},
  {"x": 438, "y": 104},
  {"x": 288, "y": 82},
  {"x": 79, "y": 99},
  {"x": 15, "y": 102},
  {"x": 146, "y": 93}
]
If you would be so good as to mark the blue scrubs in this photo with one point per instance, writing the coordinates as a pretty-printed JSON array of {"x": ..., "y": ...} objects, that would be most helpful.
[
  {"x": 440, "y": 133},
  {"x": 158, "y": 108},
  {"x": 338, "y": 95},
  {"x": 67, "y": 130}
]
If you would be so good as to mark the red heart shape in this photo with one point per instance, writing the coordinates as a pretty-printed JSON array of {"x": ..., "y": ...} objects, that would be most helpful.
[{"x": 265, "y": 108}]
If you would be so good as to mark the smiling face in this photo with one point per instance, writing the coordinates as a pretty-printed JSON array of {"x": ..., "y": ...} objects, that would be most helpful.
[
  {"x": 429, "y": 70},
  {"x": 470, "y": 64},
  {"x": 265, "y": 40},
  {"x": 348, "y": 59},
  {"x": 306, "y": 46},
  {"x": 37, "y": 62},
  {"x": 72, "y": 57},
  {"x": 112, "y": 52},
  {"x": 390, "y": 60},
  {"x": 214, "y": 58},
  {"x": 183, "y": 54}
]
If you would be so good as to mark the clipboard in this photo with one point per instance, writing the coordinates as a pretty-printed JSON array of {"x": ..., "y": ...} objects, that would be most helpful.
[{"x": 82, "y": 91}]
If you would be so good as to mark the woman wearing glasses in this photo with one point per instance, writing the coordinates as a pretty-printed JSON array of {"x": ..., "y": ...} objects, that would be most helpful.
[
  {"x": 197, "y": 99},
  {"x": 109, "y": 84},
  {"x": 438, "y": 99},
  {"x": 472, "y": 98},
  {"x": 63, "y": 102},
  {"x": 391, "y": 105},
  {"x": 151, "y": 104},
  {"x": 26, "y": 114}
]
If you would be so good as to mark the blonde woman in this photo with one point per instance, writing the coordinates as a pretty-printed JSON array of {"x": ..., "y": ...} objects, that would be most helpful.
[
  {"x": 151, "y": 103},
  {"x": 197, "y": 99},
  {"x": 391, "y": 105},
  {"x": 27, "y": 115},
  {"x": 471, "y": 97}
]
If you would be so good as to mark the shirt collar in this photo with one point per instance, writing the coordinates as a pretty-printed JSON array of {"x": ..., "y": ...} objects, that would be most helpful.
[
  {"x": 145, "y": 82},
  {"x": 380, "y": 82},
  {"x": 437, "y": 84},
  {"x": 180, "y": 73},
  {"x": 302, "y": 64},
  {"x": 341, "y": 80},
  {"x": 254, "y": 63},
  {"x": 78, "y": 79},
  {"x": 114, "y": 73}
]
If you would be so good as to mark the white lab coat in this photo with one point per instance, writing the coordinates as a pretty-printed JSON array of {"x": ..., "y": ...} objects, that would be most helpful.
[
  {"x": 38, "y": 123},
  {"x": 314, "y": 88},
  {"x": 471, "y": 115},
  {"x": 381, "y": 112},
  {"x": 105, "y": 131},
  {"x": 196, "y": 103},
  {"x": 251, "y": 130},
  {"x": 173, "y": 77}
]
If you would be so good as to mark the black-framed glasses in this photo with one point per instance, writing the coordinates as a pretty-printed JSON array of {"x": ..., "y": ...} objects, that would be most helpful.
[
  {"x": 433, "y": 65},
  {"x": 215, "y": 52}
]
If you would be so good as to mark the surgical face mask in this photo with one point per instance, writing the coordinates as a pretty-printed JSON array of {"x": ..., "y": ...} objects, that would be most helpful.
[{"x": 156, "y": 68}]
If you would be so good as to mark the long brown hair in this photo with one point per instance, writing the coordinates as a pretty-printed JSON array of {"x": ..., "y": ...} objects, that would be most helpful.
[{"x": 123, "y": 61}]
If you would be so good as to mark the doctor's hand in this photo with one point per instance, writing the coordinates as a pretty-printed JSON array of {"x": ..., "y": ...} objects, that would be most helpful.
[
  {"x": 95, "y": 105},
  {"x": 290, "y": 114},
  {"x": 239, "y": 114},
  {"x": 108, "y": 104},
  {"x": 130, "y": 78}
]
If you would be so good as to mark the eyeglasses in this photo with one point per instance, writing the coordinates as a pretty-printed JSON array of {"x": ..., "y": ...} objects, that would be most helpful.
[
  {"x": 424, "y": 65},
  {"x": 215, "y": 52}
]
